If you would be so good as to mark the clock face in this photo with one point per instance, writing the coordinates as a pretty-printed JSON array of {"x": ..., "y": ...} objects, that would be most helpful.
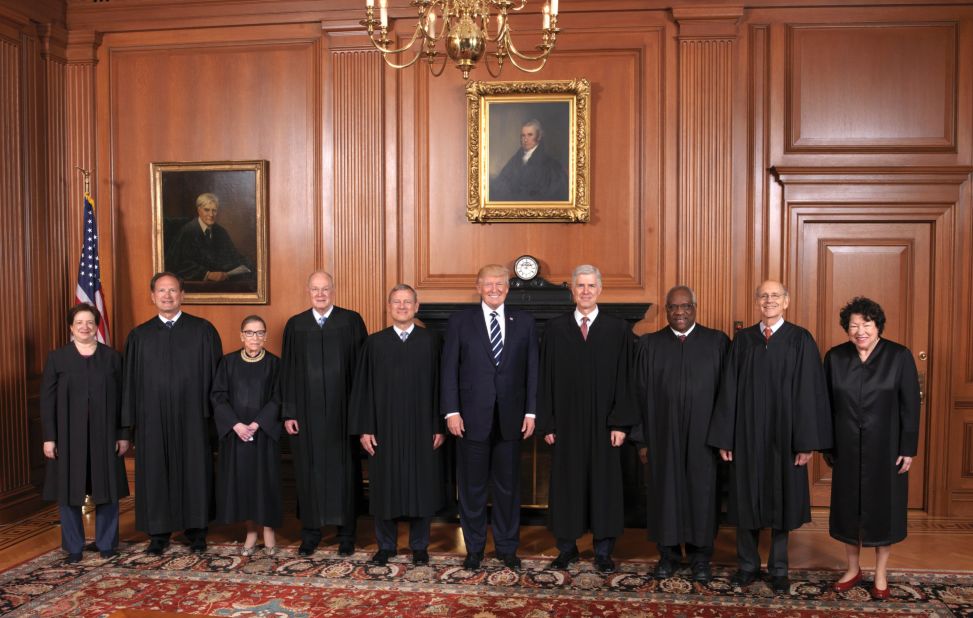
[{"x": 526, "y": 267}]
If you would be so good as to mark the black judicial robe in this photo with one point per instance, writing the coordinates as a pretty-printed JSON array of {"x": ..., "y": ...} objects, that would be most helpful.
[
  {"x": 168, "y": 375},
  {"x": 586, "y": 391},
  {"x": 192, "y": 255},
  {"x": 80, "y": 401},
  {"x": 876, "y": 418},
  {"x": 317, "y": 369},
  {"x": 772, "y": 404},
  {"x": 396, "y": 398},
  {"x": 541, "y": 179},
  {"x": 248, "y": 473},
  {"x": 679, "y": 382}
]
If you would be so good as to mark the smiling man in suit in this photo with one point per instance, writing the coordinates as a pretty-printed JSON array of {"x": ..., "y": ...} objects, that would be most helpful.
[{"x": 489, "y": 391}]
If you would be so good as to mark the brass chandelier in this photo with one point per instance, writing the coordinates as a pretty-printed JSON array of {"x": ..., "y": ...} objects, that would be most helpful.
[{"x": 467, "y": 28}]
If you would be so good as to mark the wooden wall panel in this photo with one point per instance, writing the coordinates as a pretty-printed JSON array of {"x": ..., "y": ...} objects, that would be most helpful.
[
  {"x": 14, "y": 459},
  {"x": 213, "y": 96},
  {"x": 359, "y": 183},
  {"x": 872, "y": 87},
  {"x": 441, "y": 251},
  {"x": 704, "y": 225}
]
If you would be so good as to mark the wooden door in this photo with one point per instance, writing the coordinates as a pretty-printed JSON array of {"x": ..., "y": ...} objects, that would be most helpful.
[{"x": 888, "y": 262}]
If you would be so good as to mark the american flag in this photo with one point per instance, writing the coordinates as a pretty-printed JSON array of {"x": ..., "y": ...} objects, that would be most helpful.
[{"x": 89, "y": 271}]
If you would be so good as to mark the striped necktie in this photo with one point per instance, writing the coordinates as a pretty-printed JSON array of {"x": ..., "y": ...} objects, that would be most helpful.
[
  {"x": 404, "y": 335},
  {"x": 496, "y": 341},
  {"x": 322, "y": 320}
]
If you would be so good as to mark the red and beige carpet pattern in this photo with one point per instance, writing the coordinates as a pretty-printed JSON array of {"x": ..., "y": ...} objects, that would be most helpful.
[{"x": 222, "y": 583}]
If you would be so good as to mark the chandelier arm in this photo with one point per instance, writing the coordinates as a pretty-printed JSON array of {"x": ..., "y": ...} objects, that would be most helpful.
[
  {"x": 442, "y": 67},
  {"x": 404, "y": 48},
  {"x": 543, "y": 61},
  {"x": 514, "y": 52},
  {"x": 404, "y": 65},
  {"x": 486, "y": 63}
]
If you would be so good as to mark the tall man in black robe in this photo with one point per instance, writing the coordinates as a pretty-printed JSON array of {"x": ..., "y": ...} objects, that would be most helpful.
[
  {"x": 489, "y": 392},
  {"x": 320, "y": 354},
  {"x": 585, "y": 408},
  {"x": 679, "y": 372},
  {"x": 395, "y": 412},
  {"x": 170, "y": 362},
  {"x": 772, "y": 412}
]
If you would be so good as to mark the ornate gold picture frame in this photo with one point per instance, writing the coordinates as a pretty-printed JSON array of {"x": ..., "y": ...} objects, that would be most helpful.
[
  {"x": 209, "y": 224},
  {"x": 528, "y": 151}
]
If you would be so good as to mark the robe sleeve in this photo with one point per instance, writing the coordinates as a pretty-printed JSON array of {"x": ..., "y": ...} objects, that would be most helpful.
[
  {"x": 435, "y": 349},
  {"x": 269, "y": 415},
  {"x": 223, "y": 412},
  {"x": 812, "y": 412},
  {"x": 288, "y": 373},
  {"x": 361, "y": 411},
  {"x": 829, "y": 385},
  {"x": 545, "y": 421},
  {"x": 121, "y": 432},
  {"x": 48, "y": 400},
  {"x": 625, "y": 411},
  {"x": 214, "y": 353},
  {"x": 131, "y": 380},
  {"x": 722, "y": 425},
  {"x": 909, "y": 405}
]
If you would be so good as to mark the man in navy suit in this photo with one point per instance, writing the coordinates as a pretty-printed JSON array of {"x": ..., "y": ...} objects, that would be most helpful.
[{"x": 489, "y": 391}]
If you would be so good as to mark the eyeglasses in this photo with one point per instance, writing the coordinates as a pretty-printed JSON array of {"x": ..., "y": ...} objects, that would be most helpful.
[
  {"x": 680, "y": 307},
  {"x": 774, "y": 296},
  {"x": 250, "y": 334},
  {"x": 319, "y": 290}
]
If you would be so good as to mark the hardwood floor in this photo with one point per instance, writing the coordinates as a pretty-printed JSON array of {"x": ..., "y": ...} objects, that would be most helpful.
[{"x": 932, "y": 544}]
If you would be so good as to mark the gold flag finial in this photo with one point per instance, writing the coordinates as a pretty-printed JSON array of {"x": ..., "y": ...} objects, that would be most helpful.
[{"x": 87, "y": 178}]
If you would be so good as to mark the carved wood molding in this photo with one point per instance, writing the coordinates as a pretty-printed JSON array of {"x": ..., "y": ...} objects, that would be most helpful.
[
  {"x": 950, "y": 175},
  {"x": 707, "y": 22},
  {"x": 82, "y": 46}
]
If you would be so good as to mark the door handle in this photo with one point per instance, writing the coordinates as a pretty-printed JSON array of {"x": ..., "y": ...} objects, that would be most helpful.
[{"x": 922, "y": 378}]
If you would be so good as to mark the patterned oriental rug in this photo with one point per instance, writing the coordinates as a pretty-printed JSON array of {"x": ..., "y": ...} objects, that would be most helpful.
[{"x": 222, "y": 583}]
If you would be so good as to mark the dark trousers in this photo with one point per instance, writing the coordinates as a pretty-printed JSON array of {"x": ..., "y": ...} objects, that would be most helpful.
[
  {"x": 603, "y": 547},
  {"x": 696, "y": 554},
  {"x": 748, "y": 556},
  {"x": 387, "y": 532},
  {"x": 72, "y": 527},
  {"x": 489, "y": 467},
  {"x": 312, "y": 536},
  {"x": 192, "y": 534}
]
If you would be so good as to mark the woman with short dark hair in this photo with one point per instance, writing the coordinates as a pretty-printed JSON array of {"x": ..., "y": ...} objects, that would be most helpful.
[
  {"x": 874, "y": 390},
  {"x": 80, "y": 413},
  {"x": 247, "y": 413}
]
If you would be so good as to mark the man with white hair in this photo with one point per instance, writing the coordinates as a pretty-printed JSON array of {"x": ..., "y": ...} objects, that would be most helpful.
[{"x": 585, "y": 408}]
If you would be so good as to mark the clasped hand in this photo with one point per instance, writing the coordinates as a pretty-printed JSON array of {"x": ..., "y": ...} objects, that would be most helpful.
[{"x": 246, "y": 432}]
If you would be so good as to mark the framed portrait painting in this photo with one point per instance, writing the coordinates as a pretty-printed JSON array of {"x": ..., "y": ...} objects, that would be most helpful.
[
  {"x": 528, "y": 151},
  {"x": 210, "y": 227}
]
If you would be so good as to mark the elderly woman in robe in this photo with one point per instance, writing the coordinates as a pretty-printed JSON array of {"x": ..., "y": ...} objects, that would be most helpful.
[
  {"x": 84, "y": 443},
  {"x": 247, "y": 413},
  {"x": 874, "y": 390}
]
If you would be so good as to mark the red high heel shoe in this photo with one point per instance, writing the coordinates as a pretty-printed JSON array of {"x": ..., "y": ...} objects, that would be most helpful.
[
  {"x": 880, "y": 595},
  {"x": 848, "y": 585}
]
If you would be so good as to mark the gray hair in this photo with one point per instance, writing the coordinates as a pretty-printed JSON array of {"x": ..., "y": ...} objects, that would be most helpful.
[
  {"x": 534, "y": 122},
  {"x": 206, "y": 198},
  {"x": 399, "y": 287},
  {"x": 681, "y": 288},
  {"x": 585, "y": 269}
]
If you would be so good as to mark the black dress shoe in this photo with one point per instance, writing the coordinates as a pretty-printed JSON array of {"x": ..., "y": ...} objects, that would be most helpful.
[
  {"x": 702, "y": 573},
  {"x": 108, "y": 553},
  {"x": 473, "y": 561},
  {"x": 781, "y": 584},
  {"x": 564, "y": 559},
  {"x": 306, "y": 549},
  {"x": 605, "y": 564},
  {"x": 511, "y": 561},
  {"x": 664, "y": 568},
  {"x": 198, "y": 546},
  {"x": 72, "y": 558},
  {"x": 91, "y": 547},
  {"x": 382, "y": 556},
  {"x": 346, "y": 548},
  {"x": 742, "y": 579},
  {"x": 420, "y": 556},
  {"x": 156, "y": 548}
]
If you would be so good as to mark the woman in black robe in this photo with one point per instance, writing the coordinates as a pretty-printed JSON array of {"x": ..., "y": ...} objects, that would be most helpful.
[
  {"x": 247, "y": 413},
  {"x": 83, "y": 440},
  {"x": 874, "y": 390}
]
